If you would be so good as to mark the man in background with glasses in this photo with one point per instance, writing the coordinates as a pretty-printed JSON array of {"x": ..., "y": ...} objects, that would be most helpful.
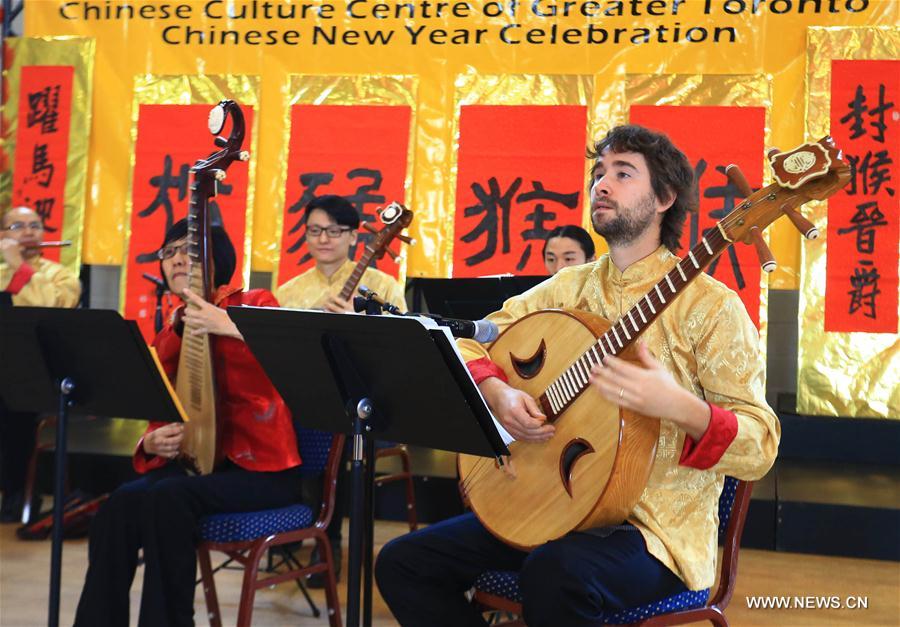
[
  {"x": 332, "y": 224},
  {"x": 26, "y": 279},
  {"x": 332, "y": 227}
]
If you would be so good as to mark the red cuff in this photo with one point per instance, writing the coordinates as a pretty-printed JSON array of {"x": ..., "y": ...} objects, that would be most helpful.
[
  {"x": 720, "y": 433},
  {"x": 143, "y": 462},
  {"x": 20, "y": 279},
  {"x": 484, "y": 368}
]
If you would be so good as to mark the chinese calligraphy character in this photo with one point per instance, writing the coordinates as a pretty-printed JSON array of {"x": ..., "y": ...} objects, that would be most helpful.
[
  {"x": 43, "y": 109},
  {"x": 865, "y": 288},
  {"x": 44, "y": 208},
  {"x": 873, "y": 172},
  {"x": 41, "y": 163},
  {"x": 858, "y": 107},
  {"x": 495, "y": 207},
  {"x": 865, "y": 223},
  {"x": 540, "y": 215}
]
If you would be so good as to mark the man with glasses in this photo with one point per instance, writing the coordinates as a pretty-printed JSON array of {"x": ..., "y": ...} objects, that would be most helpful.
[
  {"x": 332, "y": 225},
  {"x": 25, "y": 275},
  {"x": 26, "y": 279}
]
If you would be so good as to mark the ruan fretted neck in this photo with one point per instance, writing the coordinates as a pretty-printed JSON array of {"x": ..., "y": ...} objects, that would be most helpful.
[{"x": 627, "y": 329}]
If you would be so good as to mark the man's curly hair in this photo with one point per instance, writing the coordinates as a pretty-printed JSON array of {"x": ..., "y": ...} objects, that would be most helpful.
[{"x": 671, "y": 173}]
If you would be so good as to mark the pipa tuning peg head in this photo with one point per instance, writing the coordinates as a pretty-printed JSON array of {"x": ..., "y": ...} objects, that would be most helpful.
[
  {"x": 766, "y": 259},
  {"x": 737, "y": 178},
  {"x": 806, "y": 228}
]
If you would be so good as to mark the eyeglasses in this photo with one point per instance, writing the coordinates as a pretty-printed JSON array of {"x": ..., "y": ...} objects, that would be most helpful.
[
  {"x": 167, "y": 252},
  {"x": 332, "y": 231},
  {"x": 21, "y": 226}
]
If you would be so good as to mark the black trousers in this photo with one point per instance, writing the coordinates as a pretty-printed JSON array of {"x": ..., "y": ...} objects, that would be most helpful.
[
  {"x": 160, "y": 513},
  {"x": 17, "y": 437},
  {"x": 423, "y": 575}
]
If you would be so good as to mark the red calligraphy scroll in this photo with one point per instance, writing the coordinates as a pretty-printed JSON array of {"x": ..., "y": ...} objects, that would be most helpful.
[
  {"x": 521, "y": 173},
  {"x": 170, "y": 138},
  {"x": 712, "y": 138},
  {"x": 42, "y": 146},
  {"x": 359, "y": 152},
  {"x": 863, "y": 224}
]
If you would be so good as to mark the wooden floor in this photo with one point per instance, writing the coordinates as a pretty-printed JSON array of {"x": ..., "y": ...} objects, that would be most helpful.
[{"x": 24, "y": 573}]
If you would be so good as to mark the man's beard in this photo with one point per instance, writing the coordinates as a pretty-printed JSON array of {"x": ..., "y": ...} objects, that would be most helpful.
[{"x": 628, "y": 223}]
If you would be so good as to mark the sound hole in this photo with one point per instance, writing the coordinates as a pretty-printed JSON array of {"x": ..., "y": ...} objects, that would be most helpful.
[
  {"x": 572, "y": 453},
  {"x": 529, "y": 367}
]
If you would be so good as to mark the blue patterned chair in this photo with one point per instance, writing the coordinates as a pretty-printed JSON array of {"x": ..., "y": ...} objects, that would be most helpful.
[
  {"x": 246, "y": 537},
  {"x": 499, "y": 590}
]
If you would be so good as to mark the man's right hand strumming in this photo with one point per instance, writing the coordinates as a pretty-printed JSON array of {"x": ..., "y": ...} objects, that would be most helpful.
[{"x": 519, "y": 414}]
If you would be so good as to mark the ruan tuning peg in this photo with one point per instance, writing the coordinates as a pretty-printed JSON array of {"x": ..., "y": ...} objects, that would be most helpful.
[
  {"x": 393, "y": 255},
  {"x": 369, "y": 227},
  {"x": 806, "y": 228},
  {"x": 407, "y": 240},
  {"x": 219, "y": 174},
  {"x": 766, "y": 259},
  {"x": 244, "y": 155},
  {"x": 737, "y": 178}
]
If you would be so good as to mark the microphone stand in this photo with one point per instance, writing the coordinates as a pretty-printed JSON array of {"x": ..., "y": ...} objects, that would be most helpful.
[{"x": 160, "y": 292}]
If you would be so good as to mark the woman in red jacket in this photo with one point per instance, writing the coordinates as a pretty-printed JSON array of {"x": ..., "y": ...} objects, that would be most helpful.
[{"x": 160, "y": 511}]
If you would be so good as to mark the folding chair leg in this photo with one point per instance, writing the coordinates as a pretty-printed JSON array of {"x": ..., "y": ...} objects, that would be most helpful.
[
  {"x": 331, "y": 595},
  {"x": 292, "y": 561},
  {"x": 209, "y": 588},
  {"x": 411, "y": 504},
  {"x": 248, "y": 589}
]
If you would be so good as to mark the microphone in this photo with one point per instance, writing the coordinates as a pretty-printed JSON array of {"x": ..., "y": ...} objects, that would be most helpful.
[
  {"x": 369, "y": 295},
  {"x": 482, "y": 331}
]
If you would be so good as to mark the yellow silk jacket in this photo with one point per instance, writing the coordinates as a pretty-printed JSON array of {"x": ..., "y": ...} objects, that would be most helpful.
[
  {"x": 311, "y": 289},
  {"x": 51, "y": 285},
  {"x": 707, "y": 341}
]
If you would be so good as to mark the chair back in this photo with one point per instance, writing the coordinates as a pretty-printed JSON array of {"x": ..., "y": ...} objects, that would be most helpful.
[
  {"x": 314, "y": 447},
  {"x": 726, "y": 504},
  {"x": 733, "y": 505}
]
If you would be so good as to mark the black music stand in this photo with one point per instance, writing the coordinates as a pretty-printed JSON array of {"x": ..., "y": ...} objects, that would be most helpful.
[
  {"x": 469, "y": 299},
  {"x": 371, "y": 377},
  {"x": 83, "y": 361}
]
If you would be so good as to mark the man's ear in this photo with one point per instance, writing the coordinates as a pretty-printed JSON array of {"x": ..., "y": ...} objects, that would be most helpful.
[
  {"x": 666, "y": 202},
  {"x": 354, "y": 235}
]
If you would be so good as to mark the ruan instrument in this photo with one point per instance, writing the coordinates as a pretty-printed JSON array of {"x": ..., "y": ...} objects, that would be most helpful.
[
  {"x": 395, "y": 218},
  {"x": 594, "y": 469},
  {"x": 195, "y": 384}
]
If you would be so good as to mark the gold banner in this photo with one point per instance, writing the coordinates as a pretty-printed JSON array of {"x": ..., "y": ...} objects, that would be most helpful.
[
  {"x": 488, "y": 38},
  {"x": 190, "y": 90},
  {"x": 841, "y": 374},
  {"x": 360, "y": 90},
  {"x": 78, "y": 53}
]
